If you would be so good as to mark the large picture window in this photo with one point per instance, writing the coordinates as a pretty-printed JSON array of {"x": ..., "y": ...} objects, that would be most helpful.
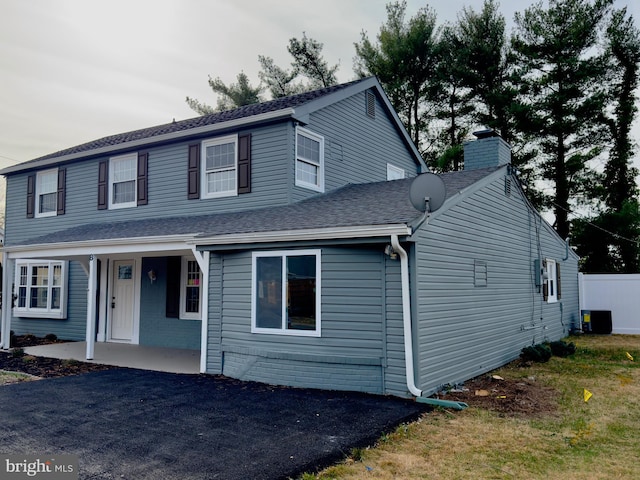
[
  {"x": 286, "y": 292},
  {"x": 309, "y": 160},
  {"x": 123, "y": 173},
  {"x": 41, "y": 289},
  {"x": 219, "y": 167}
]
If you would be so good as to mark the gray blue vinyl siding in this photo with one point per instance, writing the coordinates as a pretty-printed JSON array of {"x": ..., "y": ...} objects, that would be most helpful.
[
  {"x": 71, "y": 328},
  {"x": 350, "y": 353},
  {"x": 465, "y": 330},
  {"x": 167, "y": 181},
  {"x": 156, "y": 329},
  {"x": 357, "y": 147}
]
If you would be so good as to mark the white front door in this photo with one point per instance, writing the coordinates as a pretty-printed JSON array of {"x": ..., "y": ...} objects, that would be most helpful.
[{"x": 122, "y": 301}]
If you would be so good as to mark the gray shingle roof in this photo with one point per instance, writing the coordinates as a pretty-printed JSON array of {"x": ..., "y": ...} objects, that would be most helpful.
[
  {"x": 219, "y": 117},
  {"x": 367, "y": 204}
]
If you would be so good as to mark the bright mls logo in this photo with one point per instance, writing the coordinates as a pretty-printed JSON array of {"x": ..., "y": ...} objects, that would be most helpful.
[{"x": 58, "y": 467}]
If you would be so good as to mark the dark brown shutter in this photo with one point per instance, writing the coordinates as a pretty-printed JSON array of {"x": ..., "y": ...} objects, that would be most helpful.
[
  {"x": 194, "y": 172},
  {"x": 62, "y": 190},
  {"x": 173, "y": 287},
  {"x": 31, "y": 196},
  {"x": 244, "y": 163},
  {"x": 103, "y": 185},
  {"x": 143, "y": 160}
]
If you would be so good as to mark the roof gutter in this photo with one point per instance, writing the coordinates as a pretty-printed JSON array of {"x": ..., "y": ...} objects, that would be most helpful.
[
  {"x": 133, "y": 144},
  {"x": 406, "y": 316}
]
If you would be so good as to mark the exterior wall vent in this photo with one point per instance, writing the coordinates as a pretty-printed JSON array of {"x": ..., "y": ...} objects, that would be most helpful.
[{"x": 370, "y": 104}]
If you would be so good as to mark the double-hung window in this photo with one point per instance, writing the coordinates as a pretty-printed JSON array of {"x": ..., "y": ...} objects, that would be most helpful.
[
  {"x": 123, "y": 173},
  {"x": 219, "y": 177},
  {"x": 41, "y": 288},
  {"x": 190, "y": 289},
  {"x": 309, "y": 160},
  {"x": 47, "y": 193},
  {"x": 551, "y": 287},
  {"x": 285, "y": 296}
]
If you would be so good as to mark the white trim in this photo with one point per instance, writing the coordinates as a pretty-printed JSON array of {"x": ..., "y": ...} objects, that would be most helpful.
[
  {"x": 39, "y": 175},
  {"x": 551, "y": 271},
  {"x": 203, "y": 261},
  {"x": 112, "y": 161},
  {"x": 319, "y": 187},
  {"x": 395, "y": 173},
  {"x": 365, "y": 231},
  {"x": 90, "y": 334},
  {"x": 203, "y": 166},
  {"x": 188, "y": 132},
  {"x": 283, "y": 255},
  {"x": 48, "y": 312}
]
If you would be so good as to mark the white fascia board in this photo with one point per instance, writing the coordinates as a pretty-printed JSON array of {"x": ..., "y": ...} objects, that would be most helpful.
[
  {"x": 101, "y": 247},
  {"x": 238, "y": 122},
  {"x": 367, "y": 231}
]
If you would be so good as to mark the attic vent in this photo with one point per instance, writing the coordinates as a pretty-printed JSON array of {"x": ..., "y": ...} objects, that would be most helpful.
[
  {"x": 507, "y": 186},
  {"x": 370, "y": 104}
]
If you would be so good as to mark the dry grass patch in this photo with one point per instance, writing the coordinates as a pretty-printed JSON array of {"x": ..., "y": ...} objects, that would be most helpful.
[
  {"x": 570, "y": 438},
  {"x": 7, "y": 378}
]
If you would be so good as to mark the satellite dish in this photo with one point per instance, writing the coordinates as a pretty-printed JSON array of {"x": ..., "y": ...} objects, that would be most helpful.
[{"x": 427, "y": 192}]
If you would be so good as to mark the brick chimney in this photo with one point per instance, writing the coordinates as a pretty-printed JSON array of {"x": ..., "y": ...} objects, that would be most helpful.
[{"x": 489, "y": 150}]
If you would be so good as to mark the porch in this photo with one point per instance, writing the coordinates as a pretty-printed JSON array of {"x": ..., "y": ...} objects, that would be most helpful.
[{"x": 124, "y": 355}]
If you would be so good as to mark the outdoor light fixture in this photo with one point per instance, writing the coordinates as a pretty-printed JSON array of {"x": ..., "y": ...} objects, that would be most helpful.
[{"x": 152, "y": 275}]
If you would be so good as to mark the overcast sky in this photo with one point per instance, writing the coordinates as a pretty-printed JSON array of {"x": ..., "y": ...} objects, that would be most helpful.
[{"x": 77, "y": 70}]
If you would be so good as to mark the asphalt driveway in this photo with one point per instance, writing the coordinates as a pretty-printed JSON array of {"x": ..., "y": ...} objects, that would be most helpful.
[{"x": 135, "y": 424}]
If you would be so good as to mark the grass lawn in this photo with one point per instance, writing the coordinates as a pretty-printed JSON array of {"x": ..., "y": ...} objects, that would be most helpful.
[
  {"x": 577, "y": 439},
  {"x": 13, "y": 377}
]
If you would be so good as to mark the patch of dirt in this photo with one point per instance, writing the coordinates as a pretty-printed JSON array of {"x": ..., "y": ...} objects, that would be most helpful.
[
  {"x": 42, "y": 366},
  {"x": 507, "y": 397}
]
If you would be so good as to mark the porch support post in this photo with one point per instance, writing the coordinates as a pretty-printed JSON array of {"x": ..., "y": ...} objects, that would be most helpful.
[
  {"x": 7, "y": 301},
  {"x": 91, "y": 307},
  {"x": 203, "y": 262}
]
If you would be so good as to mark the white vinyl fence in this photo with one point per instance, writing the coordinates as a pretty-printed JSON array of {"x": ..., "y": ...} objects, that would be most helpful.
[{"x": 619, "y": 293}]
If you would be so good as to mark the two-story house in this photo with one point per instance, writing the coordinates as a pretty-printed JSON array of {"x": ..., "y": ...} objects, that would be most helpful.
[{"x": 279, "y": 240}]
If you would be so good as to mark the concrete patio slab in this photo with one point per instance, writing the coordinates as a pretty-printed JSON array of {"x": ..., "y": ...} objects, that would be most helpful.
[{"x": 124, "y": 355}]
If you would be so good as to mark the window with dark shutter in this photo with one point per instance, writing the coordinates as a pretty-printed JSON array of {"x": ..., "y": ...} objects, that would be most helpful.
[
  {"x": 173, "y": 287},
  {"x": 62, "y": 186},
  {"x": 143, "y": 160},
  {"x": 193, "y": 170},
  {"x": 103, "y": 184},
  {"x": 244, "y": 163},
  {"x": 31, "y": 196}
]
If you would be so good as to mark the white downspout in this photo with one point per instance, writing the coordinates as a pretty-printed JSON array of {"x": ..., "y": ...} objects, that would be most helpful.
[{"x": 406, "y": 316}]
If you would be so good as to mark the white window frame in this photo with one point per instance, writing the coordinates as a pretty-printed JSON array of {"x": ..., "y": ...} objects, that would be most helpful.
[
  {"x": 113, "y": 161},
  {"x": 48, "y": 312},
  {"x": 395, "y": 173},
  {"x": 284, "y": 254},
  {"x": 551, "y": 280},
  {"x": 184, "y": 271},
  {"x": 40, "y": 191},
  {"x": 319, "y": 186},
  {"x": 203, "y": 167}
]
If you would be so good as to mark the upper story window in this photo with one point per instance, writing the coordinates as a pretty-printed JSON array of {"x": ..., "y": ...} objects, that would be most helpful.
[
  {"x": 219, "y": 168},
  {"x": 190, "y": 289},
  {"x": 286, "y": 293},
  {"x": 309, "y": 160},
  {"x": 123, "y": 173},
  {"x": 394, "y": 173},
  {"x": 47, "y": 193},
  {"x": 41, "y": 288}
]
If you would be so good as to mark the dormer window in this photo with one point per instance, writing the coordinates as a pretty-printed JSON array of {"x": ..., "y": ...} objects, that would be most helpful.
[{"x": 309, "y": 160}]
